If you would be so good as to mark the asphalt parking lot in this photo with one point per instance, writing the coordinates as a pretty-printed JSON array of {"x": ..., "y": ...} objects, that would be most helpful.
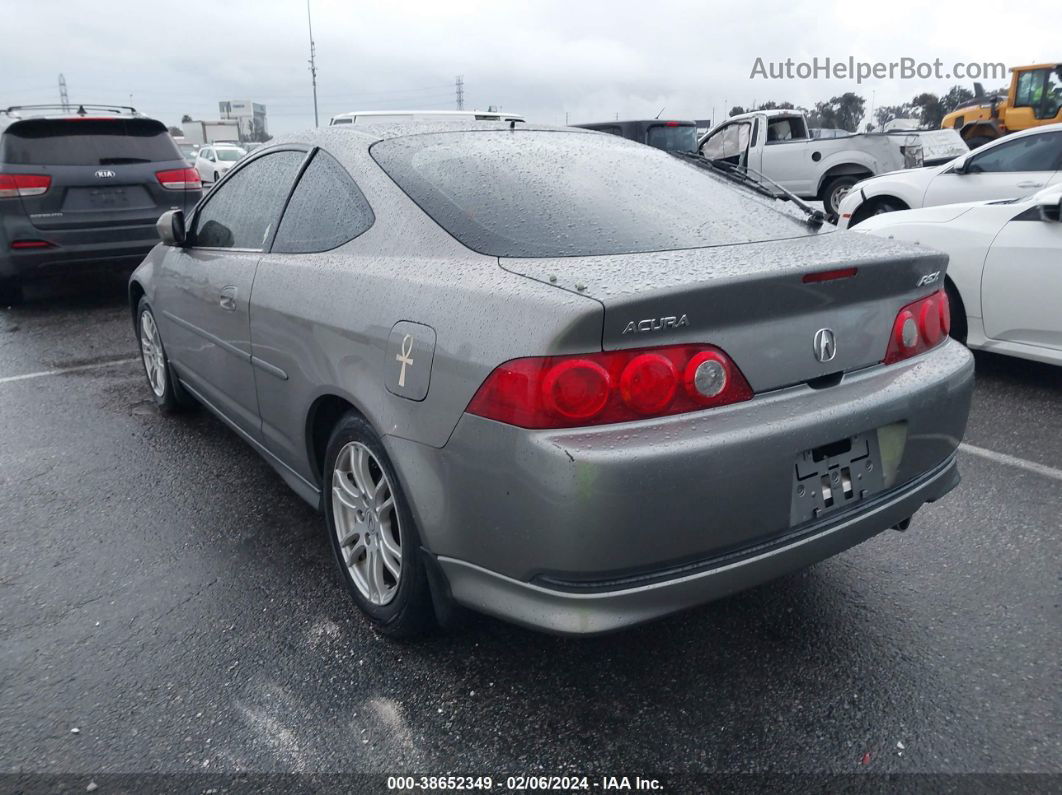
[{"x": 169, "y": 605}]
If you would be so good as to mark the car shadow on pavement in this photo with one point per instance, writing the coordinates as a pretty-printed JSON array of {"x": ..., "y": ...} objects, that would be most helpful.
[
  {"x": 1019, "y": 372},
  {"x": 83, "y": 291}
]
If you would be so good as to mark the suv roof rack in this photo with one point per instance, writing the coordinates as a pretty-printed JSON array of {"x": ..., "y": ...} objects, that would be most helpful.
[{"x": 82, "y": 109}]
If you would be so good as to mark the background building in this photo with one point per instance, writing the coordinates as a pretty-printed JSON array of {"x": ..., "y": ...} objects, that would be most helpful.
[{"x": 250, "y": 116}]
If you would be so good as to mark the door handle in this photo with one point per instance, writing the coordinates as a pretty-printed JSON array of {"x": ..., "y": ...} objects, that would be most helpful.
[
  {"x": 227, "y": 300},
  {"x": 1030, "y": 184}
]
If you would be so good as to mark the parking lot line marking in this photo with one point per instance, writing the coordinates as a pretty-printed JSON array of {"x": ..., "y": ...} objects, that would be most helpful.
[
  {"x": 62, "y": 370},
  {"x": 1009, "y": 460}
]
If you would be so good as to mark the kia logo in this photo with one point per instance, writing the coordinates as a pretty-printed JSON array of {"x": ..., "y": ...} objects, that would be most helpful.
[
  {"x": 825, "y": 345},
  {"x": 105, "y": 173}
]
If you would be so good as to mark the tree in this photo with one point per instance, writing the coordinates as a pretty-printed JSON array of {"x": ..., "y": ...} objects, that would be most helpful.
[
  {"x": 887, "y": 113},
  {"x": 772, "y": 105},
  {"x": 176, "y": 132},
  {"x": 849, "y": 109},
  {"x": 956, "y": 97},
  {"x": 930, "y": 109},
  {"x": 185, "y": 119},
  {"x": 737, "y": 110}
]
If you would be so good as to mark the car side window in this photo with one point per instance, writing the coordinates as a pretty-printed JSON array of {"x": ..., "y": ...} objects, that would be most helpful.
[
  {"x": 326, "y": 210},
  {"x": 1030, "y": 153},
  {"x": 242, "y": 212}
]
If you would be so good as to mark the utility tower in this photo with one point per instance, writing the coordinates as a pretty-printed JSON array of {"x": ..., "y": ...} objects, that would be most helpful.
[
  {"x": 460, "y": 92},
  {"x": 64, "y": 99},
  {"x": 313, "y": 64}
]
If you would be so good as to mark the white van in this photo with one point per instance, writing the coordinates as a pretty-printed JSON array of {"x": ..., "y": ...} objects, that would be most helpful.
[{"x": 404, "y": 116}]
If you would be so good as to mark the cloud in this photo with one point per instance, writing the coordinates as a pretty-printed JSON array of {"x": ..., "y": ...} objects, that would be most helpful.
[{"x": 586, "y": 58}]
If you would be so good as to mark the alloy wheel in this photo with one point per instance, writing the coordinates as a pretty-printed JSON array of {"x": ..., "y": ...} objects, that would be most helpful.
[
  {"x": 366, "y": 523},
  {"x": 151, "y": 350}
]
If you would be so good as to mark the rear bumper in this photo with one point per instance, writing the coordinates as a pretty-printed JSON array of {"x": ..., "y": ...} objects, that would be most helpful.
[
  {"x": 86, "y": 254},
  {"x": 640, "y": 599},
  {"x": 663, "y": 514}
]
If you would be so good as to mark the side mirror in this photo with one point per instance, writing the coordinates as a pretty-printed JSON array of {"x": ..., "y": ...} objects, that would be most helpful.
[
  {"x": 170, "y": 227},
  {"x": 1051, "y": 209},
  {"x": 960, "y": 167}
]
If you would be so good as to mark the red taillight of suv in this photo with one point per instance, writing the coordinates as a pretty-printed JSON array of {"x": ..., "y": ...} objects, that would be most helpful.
[
  {"x": 14, "y": 185},
  {"x": 179, "y": 179},
  {"x": 603, "y": 388},
  {"x": 919, "y": 326}
]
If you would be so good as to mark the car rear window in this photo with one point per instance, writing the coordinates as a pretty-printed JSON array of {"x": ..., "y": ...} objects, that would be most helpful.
[
  {"x": 536, "y": 193},
  {"x": 673, "y": 138},
  {"x": 86, "y": 142}
]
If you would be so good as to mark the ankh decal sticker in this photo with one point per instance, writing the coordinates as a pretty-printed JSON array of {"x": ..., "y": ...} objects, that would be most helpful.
[{"x": 405, "y": 358}]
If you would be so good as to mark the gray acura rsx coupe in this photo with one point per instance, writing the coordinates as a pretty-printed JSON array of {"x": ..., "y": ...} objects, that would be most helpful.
[{"x": 550, "y": 374}]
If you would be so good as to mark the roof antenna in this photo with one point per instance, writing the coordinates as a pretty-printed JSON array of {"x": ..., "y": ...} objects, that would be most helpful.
[{"x": 661, "y": 111}]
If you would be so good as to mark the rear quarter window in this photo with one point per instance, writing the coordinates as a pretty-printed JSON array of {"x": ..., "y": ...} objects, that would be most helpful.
[
  {"x": 326, "y": 210},
  {"x": 87, "y": 142}
]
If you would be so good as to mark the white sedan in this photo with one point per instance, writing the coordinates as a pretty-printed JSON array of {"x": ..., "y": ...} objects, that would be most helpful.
[
  {"x": 1004, "y": 278},
  {"x": 1015, "y": 165},
  {"x": 213, "y": 160}
]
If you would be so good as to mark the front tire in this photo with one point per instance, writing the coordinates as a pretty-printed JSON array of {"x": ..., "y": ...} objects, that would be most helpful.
[
  {"x": 216, "y": 178},
  {"x": 165, "y": 388},
  {"x": 370, "y": 526}
]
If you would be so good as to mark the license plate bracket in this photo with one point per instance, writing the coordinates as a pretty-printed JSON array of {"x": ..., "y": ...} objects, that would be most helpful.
[{"x": 834, "y": 476}]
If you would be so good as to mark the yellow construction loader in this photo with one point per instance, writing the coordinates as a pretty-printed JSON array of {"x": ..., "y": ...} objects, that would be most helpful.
[{"x": 1034, "y": 98}]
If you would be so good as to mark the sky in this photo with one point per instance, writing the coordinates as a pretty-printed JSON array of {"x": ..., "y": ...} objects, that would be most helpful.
[{"x": 576, "y": 60}]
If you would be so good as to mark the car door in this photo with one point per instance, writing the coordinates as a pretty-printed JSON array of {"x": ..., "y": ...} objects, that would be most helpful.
[
  {"x": 327, "y": 210},
  {"x": 1013, "y": 168},
  {"x": 788, "y": 155},
  {"x": 205, "y": 286},
  {"x": 729, "y": 143},
  {"x": 1021, "y": 286}
]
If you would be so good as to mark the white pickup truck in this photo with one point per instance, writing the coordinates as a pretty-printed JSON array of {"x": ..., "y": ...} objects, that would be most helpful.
[{"x": 777, "y": 144}]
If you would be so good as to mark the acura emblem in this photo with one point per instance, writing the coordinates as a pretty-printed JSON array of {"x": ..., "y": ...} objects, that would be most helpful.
[
  {"x": 825, "y": 345},
  {"x": 104, "y": 173}
]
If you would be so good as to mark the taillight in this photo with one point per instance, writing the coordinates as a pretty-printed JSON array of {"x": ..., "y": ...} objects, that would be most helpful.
[
  {"x": 14, "y": 185},
  {"x": 603, "y": 388},
  {"x": 919, "y": 326},
  {"x": 179, "y": 179}
]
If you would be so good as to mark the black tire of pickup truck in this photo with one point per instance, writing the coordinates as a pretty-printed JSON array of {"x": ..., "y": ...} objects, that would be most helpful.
[{"x": 834, "y": 191}]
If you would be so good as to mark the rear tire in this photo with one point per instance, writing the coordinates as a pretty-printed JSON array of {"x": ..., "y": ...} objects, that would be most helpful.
[
  {"x": 835, "y": 190},
  {"x": 958, "y": 313},
  {"x": 10, "y": 292},
  {"x": 167, "y": 391},
  {"x": 368, "y": 521}
]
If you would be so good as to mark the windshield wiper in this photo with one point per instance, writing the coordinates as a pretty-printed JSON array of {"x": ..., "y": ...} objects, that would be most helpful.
[
  {"x": 758, "y": 182},
  {"x": 726, "y": 173},
  {"x": 815, "y": 217}
]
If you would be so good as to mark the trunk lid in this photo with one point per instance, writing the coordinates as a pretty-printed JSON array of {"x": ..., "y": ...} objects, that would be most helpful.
[{"x": 755, "y": 301}]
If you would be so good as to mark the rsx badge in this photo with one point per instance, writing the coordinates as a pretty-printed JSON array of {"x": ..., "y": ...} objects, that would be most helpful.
[{"x": 656, "y": 324}]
